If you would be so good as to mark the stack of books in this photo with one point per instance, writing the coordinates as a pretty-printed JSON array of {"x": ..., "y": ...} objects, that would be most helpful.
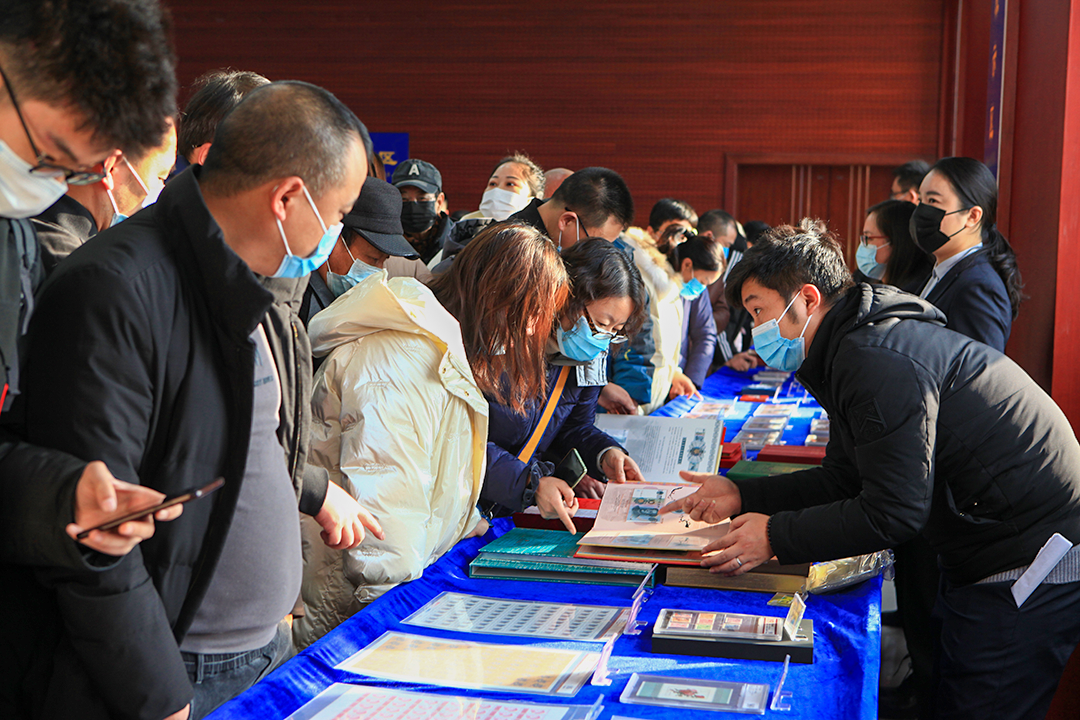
[
  {"x": 548, "y": 555},
  {"x": 629, "y": 528}
]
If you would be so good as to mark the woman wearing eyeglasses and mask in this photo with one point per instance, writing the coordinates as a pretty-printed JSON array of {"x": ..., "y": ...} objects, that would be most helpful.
[
  {"x": 607, "y": 304},
  {"x": 975, "y": 281},
  {"x": 887, "y": 253}
]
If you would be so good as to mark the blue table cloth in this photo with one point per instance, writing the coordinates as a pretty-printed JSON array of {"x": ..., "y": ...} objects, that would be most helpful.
[{"x": 842, "y": 682}]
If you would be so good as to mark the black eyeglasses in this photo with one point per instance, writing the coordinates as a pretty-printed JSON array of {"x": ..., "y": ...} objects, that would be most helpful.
[
  {"x": 582, "y": 230},
  {"x": 615, "y": 338},
  {"x": 44, "y": 167}
]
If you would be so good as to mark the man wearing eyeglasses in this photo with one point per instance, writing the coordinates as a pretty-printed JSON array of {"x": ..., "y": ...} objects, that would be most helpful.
[
  {"x": 132, "y": 181},
  {"x": 57, "y": 125}
]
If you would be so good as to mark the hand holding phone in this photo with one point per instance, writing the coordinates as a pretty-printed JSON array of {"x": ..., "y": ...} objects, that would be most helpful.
[{"x": 144, "y": 512}]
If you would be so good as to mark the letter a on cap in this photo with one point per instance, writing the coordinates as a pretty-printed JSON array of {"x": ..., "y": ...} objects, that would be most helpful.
[{"x": 415, "y": 169}]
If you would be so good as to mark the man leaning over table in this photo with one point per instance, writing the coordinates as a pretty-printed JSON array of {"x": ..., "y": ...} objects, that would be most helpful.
[{"x": 932, "y": 433}]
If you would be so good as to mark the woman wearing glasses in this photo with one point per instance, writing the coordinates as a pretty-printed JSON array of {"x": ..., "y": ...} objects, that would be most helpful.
[
  {"x": 524, "y": 445},
  {"x": 887, "y": 252}
]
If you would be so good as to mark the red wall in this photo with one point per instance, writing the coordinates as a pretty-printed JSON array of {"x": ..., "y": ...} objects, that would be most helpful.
[{"x": 659, "y": 92}]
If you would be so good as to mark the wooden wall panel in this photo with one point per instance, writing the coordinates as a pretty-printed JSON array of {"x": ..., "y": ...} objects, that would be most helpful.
[
  {"x": 785, "y": 192},
  {"x": 660, "y": 92}
]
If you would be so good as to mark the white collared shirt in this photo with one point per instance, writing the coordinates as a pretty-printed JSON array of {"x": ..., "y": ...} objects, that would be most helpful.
[{"x": 941, "y": 268}]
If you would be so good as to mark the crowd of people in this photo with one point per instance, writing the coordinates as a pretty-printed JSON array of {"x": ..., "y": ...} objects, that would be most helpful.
[{"x": 375, "y": 377}]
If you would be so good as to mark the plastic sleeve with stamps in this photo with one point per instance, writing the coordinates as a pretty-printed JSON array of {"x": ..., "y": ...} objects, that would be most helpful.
[
  {"x": 718, "y": 625},
  {"x": 695, "y": 694},
  {"x": 359, "y": 702}
]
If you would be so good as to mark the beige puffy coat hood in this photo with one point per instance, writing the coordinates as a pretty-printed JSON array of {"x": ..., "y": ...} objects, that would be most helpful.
[
  {"x": 665, "y": 310},
  {"x": 397, "y": 421}
]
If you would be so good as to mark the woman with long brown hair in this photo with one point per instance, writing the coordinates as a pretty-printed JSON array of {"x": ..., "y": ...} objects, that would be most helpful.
[
  {"x": 526, "y": 441},
  {"x": 399, "y": 414}
]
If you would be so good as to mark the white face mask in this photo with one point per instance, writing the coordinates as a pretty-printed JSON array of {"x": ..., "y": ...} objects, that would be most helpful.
[
  {"x": 501, "y": 204},
  {"x": 151, "y": 195},
  {"x": 24, "y": 194}
]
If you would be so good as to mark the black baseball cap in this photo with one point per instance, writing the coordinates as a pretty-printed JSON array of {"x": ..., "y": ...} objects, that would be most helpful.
[
  {"x": 376, "y": 216},
  {"x": 418, "y": 173}
]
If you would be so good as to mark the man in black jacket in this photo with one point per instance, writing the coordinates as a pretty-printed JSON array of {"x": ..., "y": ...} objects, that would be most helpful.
[
  {"x": 58, "y": 123},
  {"x": 932, "y": 433},
  {"x": 152, "y": 349}
]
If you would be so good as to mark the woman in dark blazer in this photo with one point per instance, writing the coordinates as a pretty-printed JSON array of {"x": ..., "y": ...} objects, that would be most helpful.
[
  {"x": 607, "y": 304},
  {"x": 975, "y": 281}
]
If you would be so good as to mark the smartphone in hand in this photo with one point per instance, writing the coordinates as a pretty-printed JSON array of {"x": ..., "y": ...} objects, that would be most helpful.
[
  {"x": 178, "y": 499},
  {"x": 571, "y": 468}
]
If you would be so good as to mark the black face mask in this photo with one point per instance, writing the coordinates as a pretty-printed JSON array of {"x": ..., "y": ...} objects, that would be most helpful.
[
  {"x": 925, "y": 227},
  {"x": 416, "y": 217}
]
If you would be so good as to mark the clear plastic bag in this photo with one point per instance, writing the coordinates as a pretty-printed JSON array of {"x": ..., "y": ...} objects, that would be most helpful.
[{"x": 833, "y": 575}]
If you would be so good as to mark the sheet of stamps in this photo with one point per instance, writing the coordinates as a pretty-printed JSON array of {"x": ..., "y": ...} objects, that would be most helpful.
[{"x": 459, "y": 612}]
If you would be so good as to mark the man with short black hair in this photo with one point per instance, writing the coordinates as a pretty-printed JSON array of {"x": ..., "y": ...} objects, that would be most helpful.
[
  {"x": 154, "y": 348},
  {"x": 216, "y": 93},
  {"x": 593, "y": 202},
  {"x": 906, "y": 180},
  {"x": 80, "y": 82},
  {"x": 721, "y": 227},
  {"x": 667, "y": 212},
  {"x": 130, "y": 183},
  {"x": 932, "y": 433}
]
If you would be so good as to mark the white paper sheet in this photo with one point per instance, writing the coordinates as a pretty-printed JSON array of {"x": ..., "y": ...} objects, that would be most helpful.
[{"x": 663, "y": 446}]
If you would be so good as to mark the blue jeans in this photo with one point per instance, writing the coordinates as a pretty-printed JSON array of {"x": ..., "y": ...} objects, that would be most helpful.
[{"x": 218, "y": 678}]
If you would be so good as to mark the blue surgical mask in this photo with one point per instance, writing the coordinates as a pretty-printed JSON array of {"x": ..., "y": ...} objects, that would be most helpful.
[
  {"x": 295, "y": 267},
  {"x": 727, "y": 251},
  {"x": 341, "y": 284},
  {"x": 692, "y": 289},
  {"x": 778, "y": 351},
  {"x": 579, "y": 343},
  {"x": 866, "y": 259}
]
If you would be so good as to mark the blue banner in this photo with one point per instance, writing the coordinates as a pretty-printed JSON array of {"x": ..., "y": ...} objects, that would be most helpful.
[
  {"x": 392, "y": 149},
  {"x": 992, "y": 141}
]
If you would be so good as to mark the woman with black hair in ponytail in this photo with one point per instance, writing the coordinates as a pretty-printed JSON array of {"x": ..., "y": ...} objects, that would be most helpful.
[{"x": 975, "y": 281}]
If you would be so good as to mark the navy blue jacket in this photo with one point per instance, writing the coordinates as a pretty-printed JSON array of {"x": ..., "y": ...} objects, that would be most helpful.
[
  {"x": 510, "y": 485},
  {"x": 975, "y": 301},
  {"x": 698, "y": 338}
]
